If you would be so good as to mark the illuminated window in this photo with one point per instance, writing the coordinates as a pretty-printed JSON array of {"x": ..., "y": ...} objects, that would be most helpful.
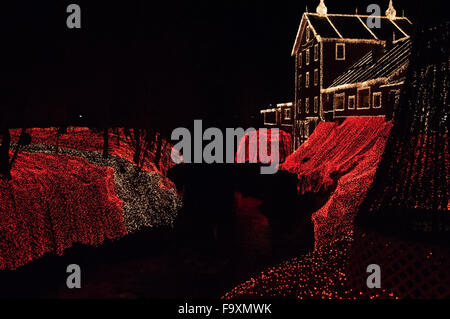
[
  {"x": 307, "y": 57},
  {"x": 340, "y": 51},
  {"x": 316, "y": 52},
  {"x": 299, "y": 106},
  {"x": 307, "y": 105},
  {"x": 376, "y": 103},
  {"x": 287, "y": 114},
  {"x": 351, "y": 102},
  {"x": 339, "y": 102},
  {"x": 307, "y": 80},
  {"x": 363, "y": 99},
  {"x": 316, "y": 104},
  {"x": 308, "y": 34},
  {"x": 316, "y": 77},
  {"x": 300, "y": 62}
]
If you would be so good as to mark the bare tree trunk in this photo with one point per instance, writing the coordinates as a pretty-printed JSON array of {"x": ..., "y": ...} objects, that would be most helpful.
[
  {"x": 16, "y": 151},
  {"x": 105, "y": 142},
  {"x": 159, "y": 144},
  {"x": 57, "y": 141},
  {"x": 137, "y": 146},
  {"x": 4, "y": 154}
]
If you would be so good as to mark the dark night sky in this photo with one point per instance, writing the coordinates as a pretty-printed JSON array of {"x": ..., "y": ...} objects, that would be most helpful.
[{"x": 156, "y": 62}]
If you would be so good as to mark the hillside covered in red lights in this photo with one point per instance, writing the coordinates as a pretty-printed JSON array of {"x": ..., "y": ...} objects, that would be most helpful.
[
  {"x": 340, "y": 159},
  {"x": 63, "y": 192}
]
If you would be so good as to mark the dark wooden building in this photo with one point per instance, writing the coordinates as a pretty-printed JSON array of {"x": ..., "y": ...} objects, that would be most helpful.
[
  {"x": 325, "y": 49},
  {"x": 370, "y": 87},
  {"x": 282, "y": 117}
]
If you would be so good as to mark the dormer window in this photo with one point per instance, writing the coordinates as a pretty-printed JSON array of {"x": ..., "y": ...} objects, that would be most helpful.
[
  {"x": 376, "y": 103},
  {"x": 340, "y": 51},
  {"x": 351, "y": 102},
  {"x": 339, "y": 102}
]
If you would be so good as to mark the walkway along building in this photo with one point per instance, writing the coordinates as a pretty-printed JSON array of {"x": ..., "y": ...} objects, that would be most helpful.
[{"x": 345, "y": 68}]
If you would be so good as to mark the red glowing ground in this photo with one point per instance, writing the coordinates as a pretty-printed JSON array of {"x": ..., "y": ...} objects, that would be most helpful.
[
  {"x": 82, "y": 138},
  {"x": 246, "y": 154},
  {"x": 52, "y": 202},
  {"x": 55, "y": 200},
  {"x": 345, "y": 156},
  {"x": 342, "y": 158}
]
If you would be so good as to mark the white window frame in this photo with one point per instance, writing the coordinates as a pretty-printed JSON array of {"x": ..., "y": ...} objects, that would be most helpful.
[
  {"x": 338, "y": 45},
  {"x": 287, "y": 114},
  {"x": 336, "y": 96},
  {"x": 308, "y": 56},
  {"x": 307, "y": 79},
  {"x": 306, "y": 130},
  {"x": 316, "y": 52},
  {"x": 307, "y": 105},
  {"x": 358, "y": 107},
  {"x": 316, "y": 104},
  {"x": 316, "y": 77},
  {"x": 270, "y": 123},
  {"x": 373, "y": 100},
  {"x": 351, "y": 97}
]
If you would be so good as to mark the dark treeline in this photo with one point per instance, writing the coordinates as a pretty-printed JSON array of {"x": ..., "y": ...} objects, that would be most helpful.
[{"x": 154, "y": 63}]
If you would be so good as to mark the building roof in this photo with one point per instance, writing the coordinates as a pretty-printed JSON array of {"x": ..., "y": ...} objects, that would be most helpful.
[
  {"x": 370, "y": 68},
  {"x": 278, "y": 107},
  {"x": 353, "y": 27}
]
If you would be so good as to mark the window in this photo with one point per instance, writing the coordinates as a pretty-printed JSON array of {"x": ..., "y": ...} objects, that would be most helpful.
[
  {"x": 307, "y": 80},
  {"x": 339, "y": 102},
  {"x": 376, "y": 103},
  {"x": 363, "y": 99},
  {"x": 340, "y": 51},
  {"x": 351, "y": 102},
  {"x": 307, "y": 105},
  {"x": 316, "y": 52},
  {"x": 308, "y": 33},
  {"x": 300, "y": 80},
  {"x": 287, "y": 114},
  {"x": 316, "y": 104},
  {"x": 300, "y": 62},
  {"x": 307, "y": 57},
  {"x": 306, "y": 135},
  {"x": 316, "y": 77},
  {"x": 270, "y": 118},
  {"x": 299, "y": 106}
]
